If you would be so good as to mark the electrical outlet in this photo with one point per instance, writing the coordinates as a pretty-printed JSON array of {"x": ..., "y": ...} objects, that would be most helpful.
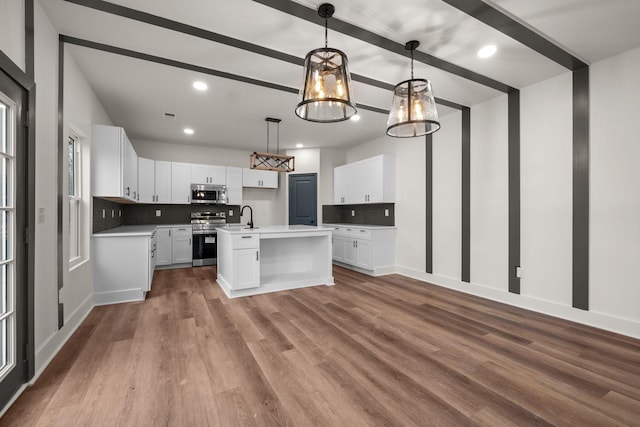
[
  {"x": 40, "y": 215},
  {"x": 104, "y": 213},
  {"x": 230, "y": 212},
  {"x": 158, "y": 212},
  {"x": 519, "y": 272},
  {"x": 353, "y": 213},
  {"x": 113, "y": 213},
  {"x": 386, "y": 212},
  {"x": 119, "y": 212}
]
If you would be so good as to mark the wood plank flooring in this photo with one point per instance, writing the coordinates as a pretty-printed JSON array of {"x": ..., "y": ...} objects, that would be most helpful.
[{"x": 366, "y": 352}]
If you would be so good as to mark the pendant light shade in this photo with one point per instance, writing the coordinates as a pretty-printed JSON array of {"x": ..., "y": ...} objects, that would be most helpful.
[
  {"x": 326, "y": 95},
  {"x": 413, "y": 110}
]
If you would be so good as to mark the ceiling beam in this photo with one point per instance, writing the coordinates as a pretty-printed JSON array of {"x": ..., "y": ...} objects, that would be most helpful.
[
  {"x": 507, "y": 25},
  {"x": 180, "y": 27},
  {"x": 311, "y": 15}
]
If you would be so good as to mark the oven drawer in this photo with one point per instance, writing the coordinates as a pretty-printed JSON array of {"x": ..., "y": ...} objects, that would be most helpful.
[{"x": 245, "y": 241}]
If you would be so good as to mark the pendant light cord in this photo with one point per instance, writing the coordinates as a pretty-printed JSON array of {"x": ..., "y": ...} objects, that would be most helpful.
[
  {"x": 412, "y": 64},
  {"x": 267, "y": 136}
]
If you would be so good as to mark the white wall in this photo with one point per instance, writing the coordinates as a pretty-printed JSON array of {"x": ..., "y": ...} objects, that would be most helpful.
[
  {"x": 81, "y": 109},
  {"x": 615, "y": 182},
  {"x": 447, "y": 197},
  {"x": 268, "y": 204},
  {"x": 546, "y": 152},
  {"x": 12, "y": 41}
]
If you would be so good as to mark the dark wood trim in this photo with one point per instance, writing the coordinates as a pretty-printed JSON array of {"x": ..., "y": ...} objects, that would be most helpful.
[
  {"x": 466, "y": 195},
  {"x": 61, "y": 158},
  {"x": 169, "y": 24},
  {"x": 29, "y": 59},
  {"x": 13, "y": 71},
  {"x": 514, "y": 189},
  {"x": 500, "y": 21},
  {"x": 335, "y": 24},
  {"x": 429, "y": 203},
  {"x": 581, "y": 188}
]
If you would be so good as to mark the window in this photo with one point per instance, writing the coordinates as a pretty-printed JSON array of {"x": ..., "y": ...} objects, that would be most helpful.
[{"x": 75, "y": 198}]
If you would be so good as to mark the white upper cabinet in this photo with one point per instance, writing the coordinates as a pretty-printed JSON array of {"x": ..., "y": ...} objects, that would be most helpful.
[
  {"x": 163, "y": 181},
  {"x": 259, "y": 178},
  {"x": 208, "y": 174},
  {"x": 146, "y": 180},
  {"x": 371, "y": 180},
  {"x": 234, "y": 186},
  {"x": 180, "y": 183},
  {"x": 114, "y": 164},
  {"x": 154, "y": 181}
]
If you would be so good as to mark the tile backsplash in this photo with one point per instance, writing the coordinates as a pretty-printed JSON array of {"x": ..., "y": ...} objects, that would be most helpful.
[
  {"x": 117, "y": 214},
  {"x": 113, "y": 214},
  {"x": 365, "y": 214}
]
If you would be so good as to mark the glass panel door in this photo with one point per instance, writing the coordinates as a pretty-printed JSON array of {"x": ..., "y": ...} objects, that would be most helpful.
[{"x": 7, "y": 236}]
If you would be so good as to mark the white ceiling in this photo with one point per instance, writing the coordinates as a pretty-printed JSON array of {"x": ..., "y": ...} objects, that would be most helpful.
[{"x": 136, "y": 93}]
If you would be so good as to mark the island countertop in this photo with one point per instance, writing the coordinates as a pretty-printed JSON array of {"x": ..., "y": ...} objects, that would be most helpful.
[{"x": 273, "y": 229}]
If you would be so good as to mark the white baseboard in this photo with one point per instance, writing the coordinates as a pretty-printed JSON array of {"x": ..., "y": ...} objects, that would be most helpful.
[
  {"x": 608, "y": 322},
  {"x": 52, "y": 346},
  {"x": 117, "y": 297}
]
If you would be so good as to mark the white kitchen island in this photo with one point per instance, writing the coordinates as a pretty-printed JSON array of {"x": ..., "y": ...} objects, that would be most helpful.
[{"x": 268, "y": 259}]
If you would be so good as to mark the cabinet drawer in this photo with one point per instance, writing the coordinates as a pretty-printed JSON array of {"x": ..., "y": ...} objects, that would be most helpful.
[
  {"x": 246, "y": 241},
  {"x": 361, "y": 233},
  {"x": 182, "y": 232}
]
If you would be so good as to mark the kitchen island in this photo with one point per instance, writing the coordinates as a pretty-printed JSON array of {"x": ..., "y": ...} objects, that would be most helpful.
[{"x": 268, "y": 259}]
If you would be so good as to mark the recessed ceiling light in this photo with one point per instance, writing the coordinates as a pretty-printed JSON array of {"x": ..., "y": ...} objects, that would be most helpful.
[
  {"x": 299, "y": 145},
  {"x": 188, "y": 131},
  {"x": 487, "y": 51},
  {"x": 355, "y": 117},
  {"x": 202, "y": 86}
]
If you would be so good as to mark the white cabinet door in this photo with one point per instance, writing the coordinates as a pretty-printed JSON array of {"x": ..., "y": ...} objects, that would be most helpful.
[
  {"x": 130, "y": 170},
  {"x": 199, "y": 174},
  {"x": 234, "y": 186},
  {"x": 163, "y": 246},
  {"x": 344, "y": 185},
  {"x": 208, "y": 174},
  {"x": 163, "y": 182},
  {"x": 218, "y": 175},
  {"x": 339, "y": 246},
  {"x": 146, "y": 180},
  {"x": 363, "y": 254},
  {"x": 180, "y": 183},
  {"x": 350, "y": 253},
  {"x": 259, "y": 178},
  {"x": 246, "y": 265},
  {"x": 181, "y": 246}
]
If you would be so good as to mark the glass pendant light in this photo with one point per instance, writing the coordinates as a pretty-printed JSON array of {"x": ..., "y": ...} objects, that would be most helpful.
[
  {"x": 326, "y": 96},
  {"x": 413, "y": 110}
]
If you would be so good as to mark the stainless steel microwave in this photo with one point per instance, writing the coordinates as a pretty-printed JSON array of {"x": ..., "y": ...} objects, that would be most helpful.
[{"x": 208, "y": 194}]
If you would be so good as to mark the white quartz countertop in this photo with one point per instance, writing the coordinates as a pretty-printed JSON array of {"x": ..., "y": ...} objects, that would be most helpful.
[
  {"x": 365, "y": 226},
  {"x": 134, "y": 230},
  {"x": 242, "y": 228}
]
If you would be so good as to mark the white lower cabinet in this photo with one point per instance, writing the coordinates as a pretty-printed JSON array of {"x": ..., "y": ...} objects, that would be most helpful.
[
  {"x": 164, "y": 247},
  {"x": 368, "y": 249},
  {"x": 181, "y": 245},
  {"x": 123, "y": 268},
  {"x": 239, "y": 260}
]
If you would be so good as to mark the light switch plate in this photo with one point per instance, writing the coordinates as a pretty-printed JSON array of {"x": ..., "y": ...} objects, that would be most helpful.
[
  {"x": 519, "y": 272},
  {"x": 158, "y": 212},
  {"x": 104, "y": 213},
  {"x": 113, "y": 213},
  {"x": 119, "y": 212},
  {"x": 230, "y": 212},
  {"x": 386, "y": 212},
  {"x": 353, "y": 213}
]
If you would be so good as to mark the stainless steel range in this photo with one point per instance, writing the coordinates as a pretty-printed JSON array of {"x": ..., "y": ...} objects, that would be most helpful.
[{"x": 205, "y": 237}]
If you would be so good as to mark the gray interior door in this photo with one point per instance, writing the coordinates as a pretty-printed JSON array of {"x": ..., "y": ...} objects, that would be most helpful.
[
  {"x": 303, "y": 199},
  {"x": 13, "y": 143}
]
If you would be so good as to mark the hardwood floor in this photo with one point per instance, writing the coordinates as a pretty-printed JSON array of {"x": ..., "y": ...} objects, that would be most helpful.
[{"x": 366, "y": 352}]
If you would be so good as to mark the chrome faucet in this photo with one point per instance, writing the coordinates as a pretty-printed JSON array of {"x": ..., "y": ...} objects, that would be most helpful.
[{"x": 250, "y": 223}]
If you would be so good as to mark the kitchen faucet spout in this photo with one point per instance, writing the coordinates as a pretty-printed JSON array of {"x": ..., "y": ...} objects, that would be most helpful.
[{"x": 250, "y": 223}]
